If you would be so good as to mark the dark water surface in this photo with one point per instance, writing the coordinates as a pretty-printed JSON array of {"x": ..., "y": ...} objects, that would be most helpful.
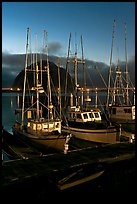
[{"x": 9, "y": 104}]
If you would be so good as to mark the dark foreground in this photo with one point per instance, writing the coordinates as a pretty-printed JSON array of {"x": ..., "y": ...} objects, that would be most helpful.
[
  {"x": 39, "y": 179},
  {"x": 105, "y": 170}
]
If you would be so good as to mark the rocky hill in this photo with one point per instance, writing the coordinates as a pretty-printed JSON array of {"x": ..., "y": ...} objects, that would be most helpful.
[{"x": 19, "y": 80}]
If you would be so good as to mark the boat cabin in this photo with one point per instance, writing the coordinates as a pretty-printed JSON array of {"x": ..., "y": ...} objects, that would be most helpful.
[
  {"x": 44, "y": 125},
  {"x": 77, "y": 115},
  {"x": 122, "y": 112}
]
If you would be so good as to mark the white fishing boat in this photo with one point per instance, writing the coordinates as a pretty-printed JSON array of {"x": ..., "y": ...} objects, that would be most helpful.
[
  {"x": 41, "y": 131},
  {"x": 87, "y": 124},
  {"x": 120, "y": 105}
]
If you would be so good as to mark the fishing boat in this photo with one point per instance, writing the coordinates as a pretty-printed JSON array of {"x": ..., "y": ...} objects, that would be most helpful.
[
  {"x": 120, "y": 105},
  {"x": 85, "y": 123},
  {"x": 39, "y": 128}
]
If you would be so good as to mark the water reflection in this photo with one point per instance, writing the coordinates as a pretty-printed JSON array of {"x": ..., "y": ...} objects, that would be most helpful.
[
  {"x": 11, "y": 101},
  {"x": 18, "y": 100},
  {"x": 9, "y": 104}
]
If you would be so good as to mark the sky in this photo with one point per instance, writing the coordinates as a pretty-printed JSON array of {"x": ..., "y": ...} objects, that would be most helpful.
[{"x": 92, "y": 20}]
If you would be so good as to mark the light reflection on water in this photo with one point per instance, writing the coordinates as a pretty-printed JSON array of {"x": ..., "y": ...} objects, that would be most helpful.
[
  {"x": 11, "y": 101},
  {"x": 8, "y": 110}
]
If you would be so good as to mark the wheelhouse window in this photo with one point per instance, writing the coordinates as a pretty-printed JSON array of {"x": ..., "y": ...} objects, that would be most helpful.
[
  {"x": 96, "y": 115},
  {"x": 128, "y": 110},
  {"x": 85, "y": 116},
  {"x": 91, "y": 115},
  {"x": 79, "y": 116},
  {"x": 74, "y": 115}
]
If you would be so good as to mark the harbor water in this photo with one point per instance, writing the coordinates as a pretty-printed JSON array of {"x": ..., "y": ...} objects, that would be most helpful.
[{"x": 116, "y": 178}]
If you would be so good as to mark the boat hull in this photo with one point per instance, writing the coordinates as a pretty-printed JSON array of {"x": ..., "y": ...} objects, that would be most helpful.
[
  {"x": 127, "y": 125},
  {"x": 109, "y": 135},
  {"x": 44, "y": 142}
]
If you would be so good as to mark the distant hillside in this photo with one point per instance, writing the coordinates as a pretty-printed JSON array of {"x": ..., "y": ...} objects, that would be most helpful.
[
  {"x": 13, "y": 64},
  {"x": 19, "y": 80}
]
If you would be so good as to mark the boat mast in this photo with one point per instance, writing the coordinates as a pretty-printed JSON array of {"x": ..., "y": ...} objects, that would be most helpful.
[
  {"x": 83, "y": 62},
  {"x": 75, "y": 61},
  {"x": 67, "y": 68},
  {"x": 127, "y": 94},
  {"x": 110, "y": 70},
  {"x": 59, "y": 89},
  {"x": 33, "y": 70},
  {"x": 41, "y": 68},
  {"x": 50, "y": 106},
  {"x": 41, "y": 54},
  {"x": 25, "y": 70},
  {"x": 75, "y": 75},
  {"x": 118, "y": 91},
  {"x": 37, "y": 85}
]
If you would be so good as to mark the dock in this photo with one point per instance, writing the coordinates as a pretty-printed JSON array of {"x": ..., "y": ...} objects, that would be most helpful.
[
  {"x": 59, "y": 172},
  {"x": 34, "y": 175}
]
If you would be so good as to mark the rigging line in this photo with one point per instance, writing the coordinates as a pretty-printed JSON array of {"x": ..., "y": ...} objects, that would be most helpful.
[
  {"x": 44, "y": 105},
  {"x": 30, "y": 107},
  {"x": 130, "y": 82},
  {"x": 96, "y": 67},
  {"x": 89, "y": 75},
  {"x": 55, "y": 92},
  {"x": 103, "y": 108}
]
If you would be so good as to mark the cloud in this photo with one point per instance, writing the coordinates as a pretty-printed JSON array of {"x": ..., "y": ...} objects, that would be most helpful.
[
  {"x": 55, "y": 48},
  {"x": 13, "y": 61},
  {"x": 12, "y": 64}
]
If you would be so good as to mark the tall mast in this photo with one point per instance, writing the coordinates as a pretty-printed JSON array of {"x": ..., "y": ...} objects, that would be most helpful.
[
  {"x": 67, "y": 68},
  {"x": 34, "y": 82},
  {"x": 83, "y": 62},
  {"x": 59, "y": 92},
  {"x": 36, "y": 49},
  {"x": 110, "y": 71},
  {"x": 127, "y": 94},
  {"x": 31, "y": 55},
  {"x": 37, "y": 93},
  {"x": 25, "y": 70},
  {"x": 41, "y": 67},
  {"x": 75, "y": 74},
  {"x": 41, "y": 54},
  {"x": 37, "y": 81},
  {"x": 50, "y": 106}
]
